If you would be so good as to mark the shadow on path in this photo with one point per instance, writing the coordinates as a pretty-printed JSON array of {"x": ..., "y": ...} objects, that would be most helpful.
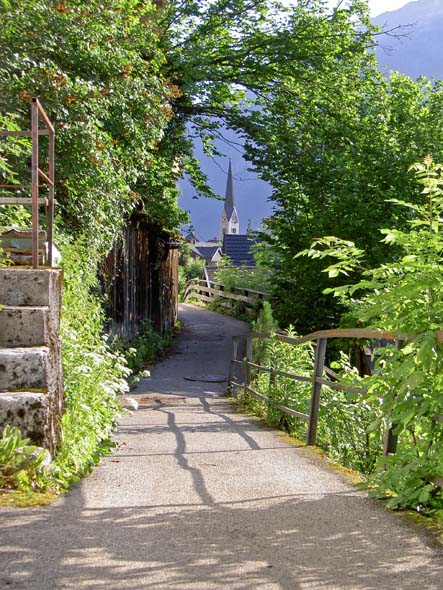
[{"x": 199, "y": 497}]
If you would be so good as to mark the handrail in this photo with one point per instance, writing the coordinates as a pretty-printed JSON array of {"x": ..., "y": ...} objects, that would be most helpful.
[
  {"x": 37, "y": 114},
  {"x": 204, "y": 291},
  {"x": 317, "y": 379},
  {"x": 357, "y": 333}
]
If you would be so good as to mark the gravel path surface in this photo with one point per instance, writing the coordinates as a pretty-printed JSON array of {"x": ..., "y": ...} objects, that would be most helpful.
[{"x": 200, "y": 497}]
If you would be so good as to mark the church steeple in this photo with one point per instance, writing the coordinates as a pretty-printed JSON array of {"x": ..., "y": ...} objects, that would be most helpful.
[{"x": 230, "y": 223}]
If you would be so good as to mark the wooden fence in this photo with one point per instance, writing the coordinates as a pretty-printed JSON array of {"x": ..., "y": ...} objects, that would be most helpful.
[
  {"x": 210, "y": 291},
  {"x": 321, "y": 375}
]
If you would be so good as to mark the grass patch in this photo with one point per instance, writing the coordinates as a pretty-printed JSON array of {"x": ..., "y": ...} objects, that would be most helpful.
[{"x": 17, "y": 499}]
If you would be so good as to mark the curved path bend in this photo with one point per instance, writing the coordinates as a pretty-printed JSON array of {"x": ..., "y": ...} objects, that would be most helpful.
[{"x": 200, "y": 497}]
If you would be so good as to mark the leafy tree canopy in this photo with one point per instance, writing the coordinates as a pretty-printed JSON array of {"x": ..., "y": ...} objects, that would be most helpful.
[
  {"x": 231, "y": 57},
  {"x": 98, "y": 69}
]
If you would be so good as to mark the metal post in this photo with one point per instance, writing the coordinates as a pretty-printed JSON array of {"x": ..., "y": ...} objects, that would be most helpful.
[
  {"x": 320, "y": 355},
  {"x": 34, "y": 181},
  {"x": 51, "y": 175}
]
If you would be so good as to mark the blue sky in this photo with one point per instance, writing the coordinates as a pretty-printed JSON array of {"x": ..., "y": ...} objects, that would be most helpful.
[{"x": 379, "y": 6}]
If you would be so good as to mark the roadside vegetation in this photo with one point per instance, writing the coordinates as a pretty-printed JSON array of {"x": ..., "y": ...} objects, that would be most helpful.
[
  {"x": 98, "y": 71},
  {"x": 405, "y": 390},
  {"x": 189, "y": 268}
]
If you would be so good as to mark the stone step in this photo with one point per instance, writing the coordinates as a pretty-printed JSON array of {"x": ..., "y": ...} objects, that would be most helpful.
[
  {"x": 22, "y": 369},
  {"x": 24, "y": 326},
  {"x": 29, "y": 287},
  {"x": 29, "y": 412},
  {"x": 23, "y": 258}
]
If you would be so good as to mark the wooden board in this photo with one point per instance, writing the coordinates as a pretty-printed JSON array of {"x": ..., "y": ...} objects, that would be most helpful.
[
  {"x": 282, "y": 408},
  {"x": 21, "y": 201}
]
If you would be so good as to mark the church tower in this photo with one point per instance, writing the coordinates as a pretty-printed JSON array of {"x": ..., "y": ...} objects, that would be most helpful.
[{"x": 230, "y": 223}]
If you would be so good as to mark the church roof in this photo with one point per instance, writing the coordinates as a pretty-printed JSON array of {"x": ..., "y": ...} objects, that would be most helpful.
[
  {"x": 237, "y": 247},
  {"x": 229, "y": 196},
  {"x": 191, "y": 237}
]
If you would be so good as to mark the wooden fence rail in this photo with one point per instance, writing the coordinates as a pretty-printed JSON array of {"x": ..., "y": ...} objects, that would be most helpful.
[
  {"x": 209, "y": 291},
  {"x": 243, "y": 347}
]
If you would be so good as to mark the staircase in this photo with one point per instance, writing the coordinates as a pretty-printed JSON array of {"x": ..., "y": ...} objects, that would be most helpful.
[{"x": 31, "y": 385}]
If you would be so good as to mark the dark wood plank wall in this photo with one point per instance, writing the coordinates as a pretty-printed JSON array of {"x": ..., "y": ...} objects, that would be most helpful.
[{"x": 140, "y": 280}]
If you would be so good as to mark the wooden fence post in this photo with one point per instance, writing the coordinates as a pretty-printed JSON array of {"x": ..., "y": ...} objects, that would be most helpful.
[
  {"x": 390, "y": 441},
  {"x": 320, "y": 355},
  {"x": 272, "y": 379},
  {"x": 248, "y": 359},
  {"x": 232, "y": 363}
]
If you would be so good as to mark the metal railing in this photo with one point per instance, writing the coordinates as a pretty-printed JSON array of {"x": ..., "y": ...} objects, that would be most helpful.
[{"x": 48, "y": 178}]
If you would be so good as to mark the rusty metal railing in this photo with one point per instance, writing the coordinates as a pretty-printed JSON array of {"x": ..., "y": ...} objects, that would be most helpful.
[{"x": 37, "y": 114}]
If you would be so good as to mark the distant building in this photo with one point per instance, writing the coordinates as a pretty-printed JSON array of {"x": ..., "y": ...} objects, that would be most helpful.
[
  {"x": 210, "y": 252},
  {"x": 232, "y": 243},
  {"x": 238, "y": 248},
  {"x": 191, "y": 236},
  {"x": 230, "y": 223}
]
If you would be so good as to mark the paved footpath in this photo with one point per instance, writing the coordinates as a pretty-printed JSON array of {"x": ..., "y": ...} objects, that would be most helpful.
[{"x": 200, "y": 497}]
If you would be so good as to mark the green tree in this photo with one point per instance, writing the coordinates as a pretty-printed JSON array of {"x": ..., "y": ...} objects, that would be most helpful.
[
  {"x": 100, "y": 73},
  {"x": 335, "y": 151},
  {"x": 99, "y": 70},
  {"x": 231, "y": 57},
  {"x": 301, "y": 86}
]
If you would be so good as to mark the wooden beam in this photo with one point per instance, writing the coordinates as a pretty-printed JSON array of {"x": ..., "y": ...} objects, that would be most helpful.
[
  {"x": 340, "y": 387},
  {"x": 272, "y": 402},
  {"x": 22, "y": 201}
]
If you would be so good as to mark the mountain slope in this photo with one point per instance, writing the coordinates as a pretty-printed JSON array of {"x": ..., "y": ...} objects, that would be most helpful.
[{"x": 419, "y": 52}]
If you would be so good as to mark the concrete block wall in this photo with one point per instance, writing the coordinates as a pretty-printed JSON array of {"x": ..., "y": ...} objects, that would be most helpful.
[{"x": 31, "y": 382}]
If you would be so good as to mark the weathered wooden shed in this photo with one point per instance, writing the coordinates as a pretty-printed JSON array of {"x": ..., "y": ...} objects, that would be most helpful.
[{"x": 140, "y": 279}]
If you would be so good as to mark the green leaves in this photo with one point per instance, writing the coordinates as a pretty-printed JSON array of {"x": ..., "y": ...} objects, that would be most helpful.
[
  {"x": 349, "y": 257},
  {"x": 21, "y": 464},
  {"x": 94, "y": 373},
  {"x": 406, "y": 296},
  {"x": 99, "y": 72}
]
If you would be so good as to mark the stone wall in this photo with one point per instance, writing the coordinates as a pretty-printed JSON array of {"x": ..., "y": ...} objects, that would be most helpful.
[{"x": 31, "y": 384}]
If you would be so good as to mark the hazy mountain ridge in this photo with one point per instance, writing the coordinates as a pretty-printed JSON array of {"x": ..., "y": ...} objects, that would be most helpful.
[{"x": 419, "y": 52}]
